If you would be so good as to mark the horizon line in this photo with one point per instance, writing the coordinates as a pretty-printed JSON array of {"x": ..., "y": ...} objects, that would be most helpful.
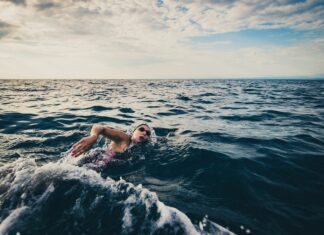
[{"x": 320, "y": 77}]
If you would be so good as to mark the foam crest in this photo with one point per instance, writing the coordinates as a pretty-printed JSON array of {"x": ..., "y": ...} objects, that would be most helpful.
[{"x": 72, "y": 199}]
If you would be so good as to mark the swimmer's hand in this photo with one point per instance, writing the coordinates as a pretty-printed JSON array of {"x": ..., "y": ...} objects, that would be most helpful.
[{"x": 83, "y": 145}]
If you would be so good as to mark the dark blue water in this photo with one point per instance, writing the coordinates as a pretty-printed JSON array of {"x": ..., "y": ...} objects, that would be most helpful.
[{"x": 247, "y": 155}]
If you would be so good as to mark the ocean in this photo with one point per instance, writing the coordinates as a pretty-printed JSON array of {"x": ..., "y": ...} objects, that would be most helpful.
[{"x": 243, "y": 157}]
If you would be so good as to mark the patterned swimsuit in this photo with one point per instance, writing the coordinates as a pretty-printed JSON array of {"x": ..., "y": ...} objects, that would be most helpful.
[
  {"x": 111, "y": 157},
  {"x": 106, "y": 158}
]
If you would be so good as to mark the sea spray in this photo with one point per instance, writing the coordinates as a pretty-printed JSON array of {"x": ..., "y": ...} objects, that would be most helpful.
[{"x": 72, "y": 199}]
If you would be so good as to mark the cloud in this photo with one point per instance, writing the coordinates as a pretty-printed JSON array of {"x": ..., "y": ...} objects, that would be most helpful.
[
  {"x": 4, "y": 25},
  {"x": 5, "y": 29},
  {"x": 17, "y": 2},
  {"x": 182, "y": 18},
  {"x": 46, "y": 5},
  {"x": 130, "y": 33}
]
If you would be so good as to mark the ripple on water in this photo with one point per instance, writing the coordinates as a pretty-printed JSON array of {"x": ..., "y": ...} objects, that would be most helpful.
[
  {"x": 244, "y": 152},
  {"x": 183, "y": 98},
  {"x": 126, "y": 110}
]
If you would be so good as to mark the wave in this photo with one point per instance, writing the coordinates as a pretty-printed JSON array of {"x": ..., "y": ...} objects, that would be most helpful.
[
  {"x": 247, "y": 153},
  {"x": 73, "y": 200}
]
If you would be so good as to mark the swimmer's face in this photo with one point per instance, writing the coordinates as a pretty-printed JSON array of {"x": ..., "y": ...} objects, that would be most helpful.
[{"x": 141, "y": 134}]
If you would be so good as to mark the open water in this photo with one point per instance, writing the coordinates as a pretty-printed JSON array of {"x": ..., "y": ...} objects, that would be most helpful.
[{"x": 246, "y": 157}]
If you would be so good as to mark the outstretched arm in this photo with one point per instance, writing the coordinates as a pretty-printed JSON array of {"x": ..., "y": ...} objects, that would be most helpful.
[
  {"x": 115, "y": 135},
  {"x": 85, "y": 143}
]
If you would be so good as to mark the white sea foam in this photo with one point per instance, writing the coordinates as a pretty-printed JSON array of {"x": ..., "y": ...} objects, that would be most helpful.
[
  {"x": 11, "y": 219},
  {"x": 23, "y": 176}
]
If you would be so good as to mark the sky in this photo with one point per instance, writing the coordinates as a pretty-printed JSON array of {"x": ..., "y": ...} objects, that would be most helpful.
[{"x": 162, "y": 39}]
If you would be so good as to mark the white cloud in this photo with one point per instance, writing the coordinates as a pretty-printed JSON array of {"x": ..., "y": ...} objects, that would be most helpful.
[{"x": 140, "y": 38}]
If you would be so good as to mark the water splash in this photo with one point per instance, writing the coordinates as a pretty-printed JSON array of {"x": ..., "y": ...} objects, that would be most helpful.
[{"x": 67, "y": 198}]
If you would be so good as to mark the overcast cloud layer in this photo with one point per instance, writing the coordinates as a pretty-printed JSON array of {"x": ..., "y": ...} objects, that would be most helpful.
[{"x": 160, "y": 39}]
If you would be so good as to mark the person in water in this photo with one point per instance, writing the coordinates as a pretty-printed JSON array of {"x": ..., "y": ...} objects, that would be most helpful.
[{"x": 120, "y": 141}]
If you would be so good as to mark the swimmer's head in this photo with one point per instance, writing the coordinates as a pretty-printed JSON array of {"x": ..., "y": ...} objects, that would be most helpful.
[{"x": 141, "y": 134}]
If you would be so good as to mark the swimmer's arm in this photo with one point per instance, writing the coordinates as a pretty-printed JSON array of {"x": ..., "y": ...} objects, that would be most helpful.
[
  {"x": 86, "y": 143},
  {"x": 112, "y": 134}
]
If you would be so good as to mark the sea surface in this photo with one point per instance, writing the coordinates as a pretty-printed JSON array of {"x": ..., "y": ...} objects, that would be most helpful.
[{"x": 241, "y": 156}]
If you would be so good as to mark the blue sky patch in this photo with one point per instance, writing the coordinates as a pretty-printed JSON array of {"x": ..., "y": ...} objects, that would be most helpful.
[{"x": 259, "y": 37}]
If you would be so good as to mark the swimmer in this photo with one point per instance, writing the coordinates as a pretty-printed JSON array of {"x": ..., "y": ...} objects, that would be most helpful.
[{"x": 120, "y": 141}]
